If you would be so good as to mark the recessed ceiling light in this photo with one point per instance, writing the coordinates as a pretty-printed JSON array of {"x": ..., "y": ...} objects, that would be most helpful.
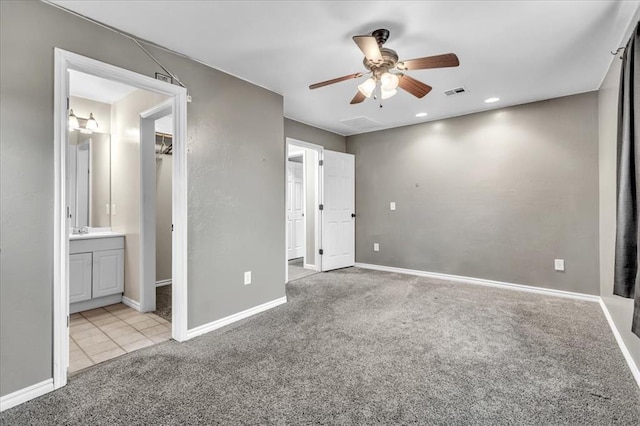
[
  {"x": 491, "y": 100},
  {"x": 421, "y": 114}
]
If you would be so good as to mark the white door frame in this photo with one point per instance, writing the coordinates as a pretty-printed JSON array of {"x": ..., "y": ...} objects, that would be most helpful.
[
  {"x": 148, "y": 203},
  {"x": 63, "y": 62},
  {"x": 318, "y": 196}
]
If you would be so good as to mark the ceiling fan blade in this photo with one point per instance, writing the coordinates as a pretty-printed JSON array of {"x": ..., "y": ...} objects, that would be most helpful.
[
  {"x": 336, "y": 80},
  {"x": 359, "y": 97},
  {"x": 369, "y": 46},
  {"x": 438, "y": 61},
  {"x": 413, "y": 86}
]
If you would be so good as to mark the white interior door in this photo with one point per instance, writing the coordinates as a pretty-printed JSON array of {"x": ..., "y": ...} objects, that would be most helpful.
[
  {"x": 338, "y": 214},
  {"x": 295, "y": 210}
]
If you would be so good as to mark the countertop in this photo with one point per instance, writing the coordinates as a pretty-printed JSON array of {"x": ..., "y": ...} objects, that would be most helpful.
[{"x": 95, "y": 235}]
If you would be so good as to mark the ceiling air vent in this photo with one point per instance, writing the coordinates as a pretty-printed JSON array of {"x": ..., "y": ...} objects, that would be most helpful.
[
  {"x": 360, "y": 123},
  {"x": 456, "y": 91}
]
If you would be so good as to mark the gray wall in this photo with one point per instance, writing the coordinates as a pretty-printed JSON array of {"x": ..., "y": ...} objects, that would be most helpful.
[
  {"x": 235, "y": 216},
  {"x": 305, "y": 133},
  {"x": 496, "y": 195},
  {"x": 621, "y": 309}
]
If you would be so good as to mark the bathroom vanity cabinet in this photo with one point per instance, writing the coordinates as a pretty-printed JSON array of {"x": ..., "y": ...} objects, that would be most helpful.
[{"x": 96, "y": 270}]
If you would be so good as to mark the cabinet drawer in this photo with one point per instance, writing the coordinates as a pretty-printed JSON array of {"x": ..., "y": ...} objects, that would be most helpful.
[
  {"x": 108, "y": 272},
  {"x": 95, "y": 244}
]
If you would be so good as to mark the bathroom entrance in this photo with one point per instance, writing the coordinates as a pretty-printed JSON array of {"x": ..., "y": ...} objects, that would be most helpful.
[
  {"x": 112, "y": 311},
  {"x": 120, "y": 212}
]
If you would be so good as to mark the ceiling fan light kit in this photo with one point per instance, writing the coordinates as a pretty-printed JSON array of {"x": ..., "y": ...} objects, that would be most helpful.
[
  {"x": 367, "y": 87},
  {"x": 384, "y": 67}
]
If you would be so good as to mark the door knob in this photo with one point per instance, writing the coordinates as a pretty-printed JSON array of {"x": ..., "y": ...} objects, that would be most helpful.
[{"x": 353, "y": 215}]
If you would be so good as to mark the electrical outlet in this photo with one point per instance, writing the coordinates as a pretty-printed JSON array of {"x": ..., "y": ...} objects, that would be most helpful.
[
  {"x": 559, "y": 265},
  {"x": 113, "y": 209},
  {"x": 247, "y": 278},
  {"x": 376, "y": 247},
  {"x": 107, "y": 208},
  {"x": 392, "y": 205}
]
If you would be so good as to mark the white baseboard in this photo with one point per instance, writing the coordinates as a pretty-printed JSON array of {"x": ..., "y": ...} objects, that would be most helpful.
[
  {"x": 26, "y": 394},
  {"x": 163, "y": 282},
  {"x": 625, "y": 352},
  {"x": 480, "y": 281},
  {"x": 132, "y": 303},
  {"x": 310, "y": 267},
  {"x": 205, "y": 328}
]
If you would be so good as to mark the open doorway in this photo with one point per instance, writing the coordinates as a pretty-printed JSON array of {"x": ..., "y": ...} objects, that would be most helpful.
[
  {"x": 105, "y": 212},
  {"x": 108, "y": 177},
  {"x": 163, "y": 182},
  {"x": 320, "y": 209},
  {"x": 303, "y": 193}
]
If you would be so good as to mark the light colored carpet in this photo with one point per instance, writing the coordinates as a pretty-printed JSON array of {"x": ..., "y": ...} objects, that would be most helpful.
[
  {"x": 163, "y": 302},
  {"x": 365, "y": 347}
]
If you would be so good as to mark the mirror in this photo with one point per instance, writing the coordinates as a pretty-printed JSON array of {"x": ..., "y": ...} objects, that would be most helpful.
[{"x": 89, "y": 179}]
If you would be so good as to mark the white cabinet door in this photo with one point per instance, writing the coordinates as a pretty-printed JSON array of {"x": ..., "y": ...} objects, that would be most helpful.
[
  {"x": 295, "y": 210},
  {"x": 79, "y": 277},
  {"x": 338, "y": 215},
  {"x": 108, "y": 272}
]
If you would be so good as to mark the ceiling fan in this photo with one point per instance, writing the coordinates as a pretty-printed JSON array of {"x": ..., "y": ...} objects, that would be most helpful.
[{"x": 384, "y": 67}]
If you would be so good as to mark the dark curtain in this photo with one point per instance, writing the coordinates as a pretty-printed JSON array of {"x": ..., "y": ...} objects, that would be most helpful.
[{"x": 627, "y": 278}]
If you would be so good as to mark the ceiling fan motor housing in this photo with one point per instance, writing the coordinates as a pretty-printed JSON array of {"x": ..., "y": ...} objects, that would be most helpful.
[
  {"x": 381, "y": 35},
  {"x": 389, "y": 61}
]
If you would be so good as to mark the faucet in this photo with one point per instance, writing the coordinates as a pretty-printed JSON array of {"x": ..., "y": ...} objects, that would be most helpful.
[{"x": 80, "y": 230}]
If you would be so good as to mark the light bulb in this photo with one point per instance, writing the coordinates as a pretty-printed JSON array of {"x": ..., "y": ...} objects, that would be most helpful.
[
  {"x": 92, "y": 124},
  {"x": 386, "y": 94},
  {"x": 389, "y": 81},
  {"x": 73, "y": 121},
  {"x": 367, "y": 87}
]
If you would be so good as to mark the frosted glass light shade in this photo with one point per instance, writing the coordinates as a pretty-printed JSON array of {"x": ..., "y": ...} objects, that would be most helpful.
[
  {"x": 389, "y": 81},
  {"x": 73, "y": 121},
  {"x": 92, "y": 124},
  {"x": 386, "y": 94},
  {"x": 367, "y": 87}
]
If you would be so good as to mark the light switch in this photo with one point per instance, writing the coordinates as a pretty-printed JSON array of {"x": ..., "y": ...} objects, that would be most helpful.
[
  {"x": 559, "y": 264},
  {"x": 247, "y": 278},
  {"x": 392, "y": 205}
]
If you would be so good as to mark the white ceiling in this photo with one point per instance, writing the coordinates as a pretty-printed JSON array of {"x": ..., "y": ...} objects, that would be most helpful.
[
  {"x": 95, "y": 88},
  {"x": 520, "y": 51}
]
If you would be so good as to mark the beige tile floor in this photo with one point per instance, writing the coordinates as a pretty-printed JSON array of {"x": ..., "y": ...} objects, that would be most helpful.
[{"x": 104, "y": 333}]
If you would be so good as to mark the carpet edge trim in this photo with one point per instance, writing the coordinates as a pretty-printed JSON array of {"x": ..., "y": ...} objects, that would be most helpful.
[
  {"x": 131, "y": 303},
  {"x": 214, "y": 325},
  {"x": 623, "y": 347},
  {"x": 26, "y": 394},
  {"x": 482, "y": 281}
]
